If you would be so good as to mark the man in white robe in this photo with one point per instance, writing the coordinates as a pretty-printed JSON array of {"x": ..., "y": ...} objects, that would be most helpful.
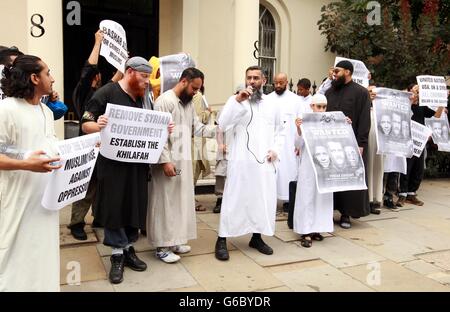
[
  {"x": 289, "y": 105},
  {"x": 250, "y": 195},
  {"x": 29, "y": 234},
  {"x": 171, "y": 219}
]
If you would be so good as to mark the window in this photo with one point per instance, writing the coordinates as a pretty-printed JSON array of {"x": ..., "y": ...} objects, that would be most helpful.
[{"x": 266, "y": 45}]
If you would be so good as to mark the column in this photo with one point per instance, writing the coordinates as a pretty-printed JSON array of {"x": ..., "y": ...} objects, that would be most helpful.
[{"x": 246, "y": 32}]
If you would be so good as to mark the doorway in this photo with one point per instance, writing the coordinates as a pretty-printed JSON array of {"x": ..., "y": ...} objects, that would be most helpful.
[{"x": 139, "y": 18}]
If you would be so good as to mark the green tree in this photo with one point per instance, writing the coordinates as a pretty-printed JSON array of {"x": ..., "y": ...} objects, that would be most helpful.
[{"x": 412, "y": 38}]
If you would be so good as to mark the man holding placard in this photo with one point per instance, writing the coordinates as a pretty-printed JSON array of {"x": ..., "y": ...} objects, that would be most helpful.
[
  {"x": 29, "y": 234},
  {"x": 121, "y": 203},
  {"x": 353, "y": 100}
]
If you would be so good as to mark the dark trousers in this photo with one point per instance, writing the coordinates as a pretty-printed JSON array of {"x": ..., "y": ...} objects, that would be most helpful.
[
  {"x": 120, "y": 238},
  {"x": 292, "y": 192},
  {"x": 390, "y": 182},
  {"x": 410, "y": 182}
]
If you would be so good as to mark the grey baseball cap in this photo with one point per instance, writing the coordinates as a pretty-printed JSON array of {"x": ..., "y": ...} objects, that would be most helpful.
[{"x": 139, "y": 64}]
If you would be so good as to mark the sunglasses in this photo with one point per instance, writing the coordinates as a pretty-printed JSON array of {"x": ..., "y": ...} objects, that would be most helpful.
[
  {"x": 336, "y": 70},
  {"x": 320, "y": 106}
]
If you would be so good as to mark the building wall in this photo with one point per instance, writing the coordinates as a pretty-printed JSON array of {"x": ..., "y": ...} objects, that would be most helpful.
[
  {"x": 308, "y": 58},
  {"x": 208, "y": 34},
  {"x": 15, "y": 26}
]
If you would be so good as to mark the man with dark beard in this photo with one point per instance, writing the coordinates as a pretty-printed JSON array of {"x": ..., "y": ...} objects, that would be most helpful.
[
  {"x": 121, "y": 201},
  {"x": 354, "y": 101},
  {"x": 171, "y": 218},
  {"x": 290, "y": 106}
]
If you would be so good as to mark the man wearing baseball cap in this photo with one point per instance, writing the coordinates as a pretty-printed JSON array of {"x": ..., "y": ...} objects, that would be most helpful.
[{"x": 121, "y": 203}]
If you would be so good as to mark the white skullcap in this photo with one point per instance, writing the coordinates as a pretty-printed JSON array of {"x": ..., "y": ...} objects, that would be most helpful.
[{"x": 319, "y": 99}]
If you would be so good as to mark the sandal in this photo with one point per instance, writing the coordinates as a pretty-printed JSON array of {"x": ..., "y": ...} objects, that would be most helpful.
[
  {"x": 306, "y": 241},
  {"x": 317, "y": 237}
]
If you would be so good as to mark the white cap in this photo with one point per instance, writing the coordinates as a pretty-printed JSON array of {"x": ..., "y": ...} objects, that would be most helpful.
[{"x": 319, "y": 99}]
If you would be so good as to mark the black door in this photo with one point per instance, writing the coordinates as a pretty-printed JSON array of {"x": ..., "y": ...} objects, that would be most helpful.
[{"x": 139, "y": 18}]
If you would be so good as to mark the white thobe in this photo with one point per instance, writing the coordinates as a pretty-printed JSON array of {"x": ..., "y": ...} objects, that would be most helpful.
[
  {"x": 313, "y": 212},
  {"x": 171, "y": 218},
  {"x": 305, "y": 105},
  {"x": 394, "y": 163},
  {"x": 29, "y": 234},
  {"x": 289, "y": 105},
  {"x": 250, "y": 196}
]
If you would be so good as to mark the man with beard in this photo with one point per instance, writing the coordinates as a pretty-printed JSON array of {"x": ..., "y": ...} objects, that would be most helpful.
[
  {"x": 29, "y": 234},
  {"x": 250, "y": 196},
  {"x": 121, "y": 201},
  {"x": 354, "y": 101},
  {"x": 289, "y": 104},
  {"x": 171, "y": 218}
]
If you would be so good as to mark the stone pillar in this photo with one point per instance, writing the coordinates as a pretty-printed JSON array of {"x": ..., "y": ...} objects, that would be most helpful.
[{"x": 246, "y": 32}]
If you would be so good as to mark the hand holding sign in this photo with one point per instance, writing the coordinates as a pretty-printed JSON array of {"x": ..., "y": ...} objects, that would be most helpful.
[{"x": 39, "y": 162}]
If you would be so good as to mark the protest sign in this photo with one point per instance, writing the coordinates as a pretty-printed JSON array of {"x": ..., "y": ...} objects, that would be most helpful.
[
  {"x": 70, "y": 183},
  {"x": 393, "y": 113},
  {"x": 114, "y": 44},
  {"x": 332, "y": 148},
  {"x": 171, "y": 68},
  {"x": 134, "y": 135},
  {"x": 420, "y": 135},
  {"x": 440, "y": 132},
  {"x": 360, "y": 71},
  {"x": 432, "y": 91}
]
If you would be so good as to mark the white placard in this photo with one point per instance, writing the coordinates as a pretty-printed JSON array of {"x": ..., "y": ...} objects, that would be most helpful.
[
  {"x": 393, "y": 113},
  {"x": 420, "y": 136},
  {"x": 360, "y": 72},
  {"x": 432, "y": 91},
  {"x": 171, "y": 67},
  {"x": 114, "y": 44},
  {"x": 70, "y": 183},
  {"x": 440, "y": 132},
  {"x": 332, "y": 148},
  {"x": 134, "y": 135}
]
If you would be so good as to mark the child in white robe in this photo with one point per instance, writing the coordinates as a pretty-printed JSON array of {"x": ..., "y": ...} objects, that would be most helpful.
[{"x": 313, "y": 212}]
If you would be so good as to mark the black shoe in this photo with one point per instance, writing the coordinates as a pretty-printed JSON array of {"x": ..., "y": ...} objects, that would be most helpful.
[
  {"x": 77, "y": 231},
  {"x": 290, "y": 224},
  {"x": 96, "y": 224},
  {"x": 345, "y": 222},
  {"x": 389, "y": 203},
  {"x": 262, "y": 247},
  {"x": 285, "y": 207},
  {"x": 218, "y": 206},
  {"x": 117, "y": 266},
  {"x": 373, "y": 209},
  {"x": 132, "y": 261},
  {"x": 221, "y": 249}
]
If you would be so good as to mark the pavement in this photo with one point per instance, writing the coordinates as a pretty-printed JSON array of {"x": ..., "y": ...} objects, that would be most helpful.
[{"x": 407, "y": 250}]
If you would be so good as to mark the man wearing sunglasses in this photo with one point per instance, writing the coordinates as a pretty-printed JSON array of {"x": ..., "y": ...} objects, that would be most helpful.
[{"x": 354, "y": 101}]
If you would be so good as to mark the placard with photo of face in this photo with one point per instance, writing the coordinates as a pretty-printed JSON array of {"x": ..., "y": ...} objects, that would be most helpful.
[
  {"x": 332, "y": 148},
  {"x": 393, "y": 113},
  {"x": 440, "y": 133}
]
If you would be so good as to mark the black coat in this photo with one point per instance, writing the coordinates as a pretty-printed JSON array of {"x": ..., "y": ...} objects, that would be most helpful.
[{"x": 354, "y": 101}]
